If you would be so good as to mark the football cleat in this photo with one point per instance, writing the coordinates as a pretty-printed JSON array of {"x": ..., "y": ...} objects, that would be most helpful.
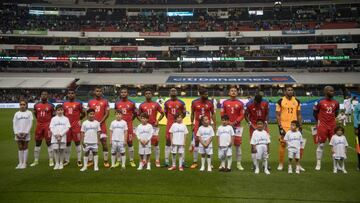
[
  {"x": 106, "y": 164},
  {"x": 132, "y": 164},
  {"x": 51, "y": 163},
  {"x": 79, "y": 164},
  {"x": 239, "y": 166},
  {"x": 194, "y": 165},
  {"x": 117, "y": 164},
  {"x": 34, "y": 163},
  {"x": 90, "y": 164}
]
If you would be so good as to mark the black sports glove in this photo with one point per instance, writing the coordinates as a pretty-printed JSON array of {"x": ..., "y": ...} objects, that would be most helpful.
[{"x": 282, "y": 131}]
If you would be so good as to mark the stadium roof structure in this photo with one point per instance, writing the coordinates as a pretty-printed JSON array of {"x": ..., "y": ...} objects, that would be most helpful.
[
  {"x": 41, "y": 82},
  {"x": 62, "y": 80}
]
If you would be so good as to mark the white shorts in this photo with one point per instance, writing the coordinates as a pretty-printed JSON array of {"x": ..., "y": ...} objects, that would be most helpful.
[
  {"x": 117, "y": 146},
  {"x": 91, "y": 147},
  {"x": 103, "y": 135},
  {"x": 208, "y": 151},
  {"x": 61, "y": 145},
  {"x": 348, "y": 111},
  {"x": 238, "y": 131},
  {"x": 26, "y": 138},
  {"x": 293, "y": 153},
  {"x": 144, "y": 150},
  {"x": 224, "y": 152},
  {"x": 156, "y": 131},
  {"x": 177, "y": 149},
  {"x": 261, "y": 152}
]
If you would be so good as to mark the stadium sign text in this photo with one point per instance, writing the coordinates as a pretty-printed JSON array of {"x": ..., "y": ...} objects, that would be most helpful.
[{"x": 230, "y": 79}]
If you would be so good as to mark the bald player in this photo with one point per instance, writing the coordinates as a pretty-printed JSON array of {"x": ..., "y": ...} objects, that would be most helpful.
[{"x": 325, "y": 113}]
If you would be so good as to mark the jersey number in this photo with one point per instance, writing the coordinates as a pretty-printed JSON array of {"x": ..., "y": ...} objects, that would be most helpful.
[
  {"x": 42, "y": 113},
  {"x": 329, "y": 110},
  {"x": 290, "y": 110}
]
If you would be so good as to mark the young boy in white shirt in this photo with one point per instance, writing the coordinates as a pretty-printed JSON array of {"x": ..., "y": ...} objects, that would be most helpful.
[
  {"x": 118, "y": 135},
  {"x": 225, "y": 135},
  {"x": 22, "y": 124},
  {"x": 59, "y": 126},
  {"x": 144, "y": 133},
  {"x": 90, "y": 134},
  {"x": 178, "y": 132},
  {"x": 260, "y": 142},
  {"x": 294, "y": 141},
  {"x": 205, "y": 134},
  {"x": 342, "y": 118},
  {"x": 339, "y": 146}
]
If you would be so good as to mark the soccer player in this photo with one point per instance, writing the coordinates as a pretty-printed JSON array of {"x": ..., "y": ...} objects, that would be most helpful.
[
  {"x": 118, "y": 136},
  {"x": 129, "y": 112},
  {"x": 73, "y": 109},
  {"x": 325, "y": 113},
  {"x": 348, "y": 109},
  {"x": 101, "y": 107},
  {"x": 234, "y": 109},
  {"x": 225, "y": 135},
  {"x": 144, "y": 132},
  {"x": 90, "y": 134},
  {"x": 152, "y": 109},
  {"x": 200, "y": 107},
  {"x": 339, "y": 145},
  {"x": 59, "y": 126},
  {"x": 357, "y": 133},
  {"x": 178, "y": 134},
  {"x": 172, "y": 107},
  {"x": 294, "y": 141},
  {"x": 287, "y": 109},
  {"x": 205, "y": 136},
  {"x": 256, "y": 109},
  {"x": 260, "y": 142},
  {"x": 22, "y": 124},
  {"x": 43, "y": 112}
]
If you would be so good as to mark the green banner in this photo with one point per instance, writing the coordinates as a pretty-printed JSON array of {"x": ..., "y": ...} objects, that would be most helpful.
[
  {"x": 30, "y": 32},
  {"x": 74, "y": 48}
]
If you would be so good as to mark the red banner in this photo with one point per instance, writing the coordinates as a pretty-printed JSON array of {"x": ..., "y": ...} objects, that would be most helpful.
[
  {"x": 28, "y": 47},
  {"x": 322, "y": 46},
  {"x": 124, "y": 48},
  {"x": 154, "y": 34}
]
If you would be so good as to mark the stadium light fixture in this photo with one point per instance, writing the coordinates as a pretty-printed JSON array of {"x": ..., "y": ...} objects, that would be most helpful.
[{"x": 139, "y": 39}]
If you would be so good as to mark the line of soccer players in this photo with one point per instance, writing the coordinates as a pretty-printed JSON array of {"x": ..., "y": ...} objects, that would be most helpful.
[{"x": 61, "y": 125}]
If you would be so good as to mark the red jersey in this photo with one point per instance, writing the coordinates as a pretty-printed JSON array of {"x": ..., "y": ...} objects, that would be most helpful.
[
  {"x": 44, "y": 112},
  {"x": 172, "y": 107},
  {"x": 234, "y": 109},
  {"x": 72, "y": 110},
  {"x": 100, "y": 106},
  {"x": 128, "y": 109},
  {"x": 151, "y": 108},
  {"x": 326, "y": 111},
  {"x": 202, "y": 108},
  {"x": 257, "y": 111}
]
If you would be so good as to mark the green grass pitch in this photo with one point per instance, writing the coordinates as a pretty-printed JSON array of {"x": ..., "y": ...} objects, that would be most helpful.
[{"x": 42, "y": 184}]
